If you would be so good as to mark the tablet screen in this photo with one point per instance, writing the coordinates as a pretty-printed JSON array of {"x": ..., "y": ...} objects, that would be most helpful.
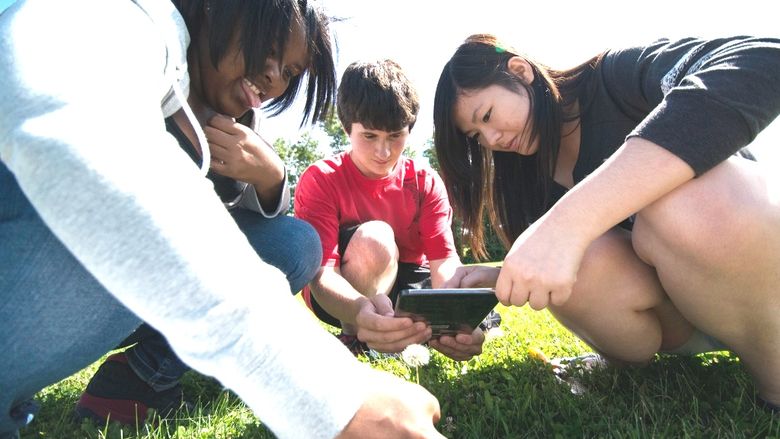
[{"x": 447, "y": 311}]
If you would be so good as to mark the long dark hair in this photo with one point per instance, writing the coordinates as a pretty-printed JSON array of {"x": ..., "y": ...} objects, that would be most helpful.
[
  {"x": 263, "y": 25},
  {"x": 512, "y": 189}
]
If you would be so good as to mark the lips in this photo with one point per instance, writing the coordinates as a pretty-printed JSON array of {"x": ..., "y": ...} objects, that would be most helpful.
[
  {"x": 513, "y": 144},
  {"x": 254, "y": 95}
]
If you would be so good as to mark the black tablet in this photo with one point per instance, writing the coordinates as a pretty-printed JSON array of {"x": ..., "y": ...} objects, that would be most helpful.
[{"x": 448, "y": 311}]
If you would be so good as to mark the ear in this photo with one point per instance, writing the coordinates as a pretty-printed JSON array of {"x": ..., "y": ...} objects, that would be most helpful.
[{"x": 521, "y": 68}]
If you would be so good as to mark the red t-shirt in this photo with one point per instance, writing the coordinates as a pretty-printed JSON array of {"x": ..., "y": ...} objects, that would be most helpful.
[{"x": 332, "y": 193}]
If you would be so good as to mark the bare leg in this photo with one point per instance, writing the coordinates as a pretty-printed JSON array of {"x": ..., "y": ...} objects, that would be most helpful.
[
  {"x": 715, "y": 243},
  {"x": 370, "y": 261},
  {"x": 618, "y": 305}
]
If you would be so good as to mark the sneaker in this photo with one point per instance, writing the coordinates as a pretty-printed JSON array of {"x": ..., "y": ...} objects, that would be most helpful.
[
  {"x": 354, "y": 345},
  {"x": 569, "y": 370},
  {"x": 491, "y": 321},
  {"x": 117, "y": 394}
]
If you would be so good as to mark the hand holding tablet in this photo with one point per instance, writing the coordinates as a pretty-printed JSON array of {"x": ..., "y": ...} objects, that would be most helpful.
[{"x": 448, "y": 311}]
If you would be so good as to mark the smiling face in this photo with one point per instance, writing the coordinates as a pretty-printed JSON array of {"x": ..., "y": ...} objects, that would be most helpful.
[
  {"x": 376, "y": 152},
  {"x": 496, "y": 117},
  {"x": 229, "y": 91}
]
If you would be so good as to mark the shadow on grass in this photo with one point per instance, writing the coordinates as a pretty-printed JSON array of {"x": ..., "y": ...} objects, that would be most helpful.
[
  {"x": 216, "y": 413},
  {"x": 703, "y": 396}
]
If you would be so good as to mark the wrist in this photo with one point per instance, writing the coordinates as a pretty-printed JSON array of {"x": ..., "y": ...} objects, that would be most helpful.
[
  {"x": 568, "y": 218},
  {"x": 268, "y": 177},
  {"x": 357, "y": 306}
]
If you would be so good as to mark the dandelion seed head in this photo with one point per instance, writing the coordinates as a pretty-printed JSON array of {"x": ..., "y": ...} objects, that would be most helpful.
[{"x": 416, "y": 355}]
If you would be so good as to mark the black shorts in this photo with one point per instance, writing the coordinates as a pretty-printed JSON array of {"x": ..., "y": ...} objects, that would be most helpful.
[{"x": 409, "y": 276}]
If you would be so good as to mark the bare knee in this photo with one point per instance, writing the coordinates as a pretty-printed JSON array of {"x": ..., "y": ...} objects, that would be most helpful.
[
  {"x": 613, "y": 282},
  {"x": 708, "y": 219},
  {"x": 610, "y": 264},
  {"x": 372, "y": 246}
]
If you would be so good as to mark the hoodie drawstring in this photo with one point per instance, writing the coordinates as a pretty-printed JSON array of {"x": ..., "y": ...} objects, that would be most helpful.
[{"x": 204, "y": 144}]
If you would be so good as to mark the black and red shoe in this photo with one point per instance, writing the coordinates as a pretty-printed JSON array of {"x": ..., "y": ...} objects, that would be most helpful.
[
  {"x": 117, "y": 394},
  {"x": 352, "y": 343}
]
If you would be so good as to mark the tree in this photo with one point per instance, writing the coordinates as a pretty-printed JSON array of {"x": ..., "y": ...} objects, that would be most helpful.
[
  {"x": 331, "y": 125},
  {"x": 430, "y": 154},
  {"x": 297, "y": 157}
]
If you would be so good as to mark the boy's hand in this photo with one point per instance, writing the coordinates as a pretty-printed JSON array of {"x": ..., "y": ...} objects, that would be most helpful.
[
  {"x": 396, "y": 409},
  {"x": 461, "y": 347},
  {"x": 382, "y": 331}
]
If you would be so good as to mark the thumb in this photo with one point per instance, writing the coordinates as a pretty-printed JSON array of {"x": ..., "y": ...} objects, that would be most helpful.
[
  {"x": 454, "y": 281},
  {"x": 383, "y": 305},
  {"x": 559, "y": 297}
]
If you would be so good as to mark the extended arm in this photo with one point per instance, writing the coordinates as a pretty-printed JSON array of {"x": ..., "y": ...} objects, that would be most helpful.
[
  {"x": 543, "y": 262},
  {"x": 106, "y": 193}
]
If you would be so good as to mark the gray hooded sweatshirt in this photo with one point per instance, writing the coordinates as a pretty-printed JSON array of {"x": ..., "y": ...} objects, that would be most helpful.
[{"x": 85, "y": 86}]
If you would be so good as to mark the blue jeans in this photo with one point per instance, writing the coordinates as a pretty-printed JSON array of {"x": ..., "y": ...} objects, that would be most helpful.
[
  {"x": 56, "y": 318},
  {"x": 285, "y": 242}
]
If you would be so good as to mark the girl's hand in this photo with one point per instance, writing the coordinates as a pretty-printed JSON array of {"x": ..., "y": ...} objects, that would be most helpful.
[
  {"x": 473, "y": 276},
  {"x": 541, "y": 267},
  {"x": 240, "y": 153}
]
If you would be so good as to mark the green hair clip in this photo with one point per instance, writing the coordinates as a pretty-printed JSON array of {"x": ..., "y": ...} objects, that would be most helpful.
[{"x": 500, "y": 49}]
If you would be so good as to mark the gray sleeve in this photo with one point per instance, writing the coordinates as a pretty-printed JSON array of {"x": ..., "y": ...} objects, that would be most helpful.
[
  {"x": 249, "y": 198},
  {"x": 705, "y": 99},
  {"x": 250, "y": 201},
  {"x": 226, "y": 312}
]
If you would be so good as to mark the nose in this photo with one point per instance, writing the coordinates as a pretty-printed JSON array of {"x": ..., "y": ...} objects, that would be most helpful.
[
  {"x": 275, "y": 80},
  {"x": 491, "y": 137},
  {"x": 383, "y": 152}
]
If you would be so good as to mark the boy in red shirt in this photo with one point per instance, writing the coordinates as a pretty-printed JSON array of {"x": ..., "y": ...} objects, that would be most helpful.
[{"x": 383, "y": 219}]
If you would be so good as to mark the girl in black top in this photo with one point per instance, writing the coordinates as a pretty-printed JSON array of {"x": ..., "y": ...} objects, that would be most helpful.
[{"x": 623, "y": 191}]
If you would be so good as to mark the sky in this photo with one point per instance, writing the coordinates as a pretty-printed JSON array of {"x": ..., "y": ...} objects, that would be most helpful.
[{"x": 421, "y": 35}]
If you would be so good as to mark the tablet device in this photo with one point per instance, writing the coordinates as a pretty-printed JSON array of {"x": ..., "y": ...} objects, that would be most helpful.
[{"x": 448, "y": 311}]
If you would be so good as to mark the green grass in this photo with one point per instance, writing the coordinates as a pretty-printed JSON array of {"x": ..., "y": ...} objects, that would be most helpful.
[{"x": 504, "y": 393}]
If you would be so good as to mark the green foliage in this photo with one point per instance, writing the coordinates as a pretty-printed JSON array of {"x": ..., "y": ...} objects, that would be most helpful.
[
  {"x": 298, "y": 156},
  {"x": 430, "y": 153},
  {"x": 331, "y": 125}
]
